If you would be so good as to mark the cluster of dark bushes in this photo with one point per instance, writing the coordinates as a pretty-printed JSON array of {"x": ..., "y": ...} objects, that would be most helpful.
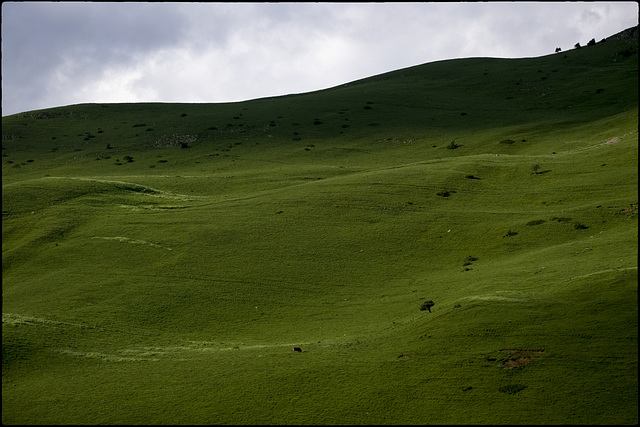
[
  {"x": 175, "y": 140},
  {"x": 127, "y": 159},
  {"x": 576, "y": 224},
  {"x": 591, "y": 42},
  {"x": 467, "y": 262}
]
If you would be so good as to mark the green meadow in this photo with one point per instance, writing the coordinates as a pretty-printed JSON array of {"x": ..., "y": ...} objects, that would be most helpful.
[{"x": 161, "y": 261}]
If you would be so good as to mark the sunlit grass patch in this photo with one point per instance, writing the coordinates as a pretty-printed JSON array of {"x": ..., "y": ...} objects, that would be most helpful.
[{"x": 133, "y": 241}]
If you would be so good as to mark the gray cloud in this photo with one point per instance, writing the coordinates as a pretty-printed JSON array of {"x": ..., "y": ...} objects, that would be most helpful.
[
  {"x": 64, "y": 53},
  {"x": 51, "y": 49}
]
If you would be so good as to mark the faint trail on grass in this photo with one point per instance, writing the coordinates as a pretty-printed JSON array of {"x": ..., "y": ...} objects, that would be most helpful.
[
  {"x": 208, "y": 346},
  {"x": 176, "y": 352},
  {"x": 143, "y": 353},
  {"x": 130, "y": 186},
  {"x": 609, "y": 141},
  {"x": 134, "y": 241},
  {"x": 20, "y": 319},
  {"x": 610, "y": 270},
  {"x": 104, "y": 357},
  {"x": 496, "y": 298}
]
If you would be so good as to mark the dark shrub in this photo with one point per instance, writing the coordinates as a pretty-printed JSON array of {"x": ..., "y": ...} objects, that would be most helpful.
[
  {"x": 512, "y": 388},
  {"x": 507, "y": 141},
  {"x": 427, "y": 305},
  {"x": 536, "y": 222},
  {"x": 579, "y": 226},
  {"x": 510, "y": 233},
  {"x": 591, "y": 42},
  {"x": 560, "y": 219},
  {"x": 452, "y": 145}
]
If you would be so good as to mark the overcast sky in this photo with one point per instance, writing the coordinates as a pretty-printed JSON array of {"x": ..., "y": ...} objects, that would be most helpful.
[{"x": 58, "y": 53}]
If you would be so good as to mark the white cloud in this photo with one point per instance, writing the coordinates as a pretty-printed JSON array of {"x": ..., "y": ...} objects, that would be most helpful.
[{"x": 64, "y": 53}]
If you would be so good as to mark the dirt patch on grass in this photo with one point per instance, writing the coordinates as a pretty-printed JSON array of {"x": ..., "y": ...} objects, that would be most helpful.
[
  {"x": 519, "y": 357},
  {"x": 520, "y": 352},
  {"x": 611, "y": 141},
  {"x": 632, "y": 210},
  {"x": 516, "y": 363}
]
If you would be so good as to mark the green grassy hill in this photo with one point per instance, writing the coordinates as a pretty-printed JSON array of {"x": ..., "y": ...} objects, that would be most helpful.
[{"x": 160, "y": 261}]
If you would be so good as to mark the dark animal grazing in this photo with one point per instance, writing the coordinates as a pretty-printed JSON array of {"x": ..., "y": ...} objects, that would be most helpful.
[{"x": 297, "y": 349}]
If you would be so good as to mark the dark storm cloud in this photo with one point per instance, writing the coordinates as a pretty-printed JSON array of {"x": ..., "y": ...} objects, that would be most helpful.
[
  {"x": 49, "y": 46},
  {"x": 65, "y": 53}
]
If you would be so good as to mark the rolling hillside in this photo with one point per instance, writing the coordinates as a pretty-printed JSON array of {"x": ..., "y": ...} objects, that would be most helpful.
[{"x": 160, "y": 261}]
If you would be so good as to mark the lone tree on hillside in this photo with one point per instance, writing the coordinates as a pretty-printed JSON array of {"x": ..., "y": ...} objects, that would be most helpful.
[{"x": 427, "y": 305}]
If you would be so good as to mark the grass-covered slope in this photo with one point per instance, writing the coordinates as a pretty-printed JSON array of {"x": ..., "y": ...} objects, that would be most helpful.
[{"x": 160, "y": 261}]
